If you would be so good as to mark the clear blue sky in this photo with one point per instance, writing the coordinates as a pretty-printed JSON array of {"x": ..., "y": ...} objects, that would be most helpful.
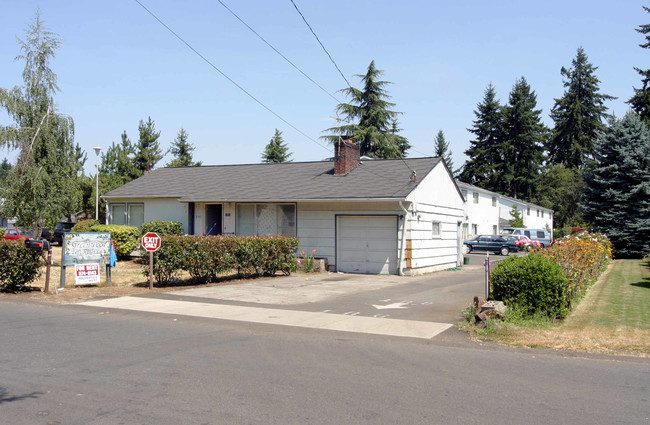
[{"x": 117, "y": 65}]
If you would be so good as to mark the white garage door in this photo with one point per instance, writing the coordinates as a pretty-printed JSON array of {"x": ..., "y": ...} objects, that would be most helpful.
[{"x": 367, "y": 244}]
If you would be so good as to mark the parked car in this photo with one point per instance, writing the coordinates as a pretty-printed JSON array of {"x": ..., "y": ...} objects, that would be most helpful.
[
  {"x": 490, "y": 243},
  {"x": 540, "y": 235},
  {"x": 17, "y": 233},
  {"x": 61, "y": 228}
]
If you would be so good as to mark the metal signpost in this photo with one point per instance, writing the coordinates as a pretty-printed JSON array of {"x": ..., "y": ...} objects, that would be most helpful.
[{"x": 151, "y": 242}]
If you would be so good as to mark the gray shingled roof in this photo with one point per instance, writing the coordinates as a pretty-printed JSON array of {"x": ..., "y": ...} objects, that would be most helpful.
[{"x": 288, "y": 181}]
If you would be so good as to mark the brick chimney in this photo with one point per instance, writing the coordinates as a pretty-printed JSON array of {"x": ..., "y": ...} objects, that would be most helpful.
[{"x": 346, "y": 157}]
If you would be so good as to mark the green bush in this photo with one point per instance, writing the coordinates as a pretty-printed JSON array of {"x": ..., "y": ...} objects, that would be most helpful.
[
  {"x": 206, "y": 257},
  {"x": 125, "y": 238},
  {"x": 533, "y": 283},
  {"x": 84, "y": 226},
  {"x": 162, "y": 228},
  {"x": 18, "y": 266}
]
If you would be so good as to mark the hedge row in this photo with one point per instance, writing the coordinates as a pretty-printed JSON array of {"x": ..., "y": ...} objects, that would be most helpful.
[
  {"x": 550, "y": 280},
  {"x": 18, "y": 266},
  {"x": 205, "y": 257}
]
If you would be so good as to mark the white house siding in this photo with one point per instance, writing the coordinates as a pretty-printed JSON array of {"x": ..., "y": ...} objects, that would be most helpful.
[
  {"x": 436, "y": 199},
  {"x": 481, "y": 217},
  {"x": 535, "y": 217},
  {"x": 317, "y": 224}
]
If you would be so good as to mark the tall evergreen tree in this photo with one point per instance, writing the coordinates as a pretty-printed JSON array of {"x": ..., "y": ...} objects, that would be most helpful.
[
  {"x": 276, "y": 150},
  {"x": 43, "y": 187},
  {"x": 5, "y": 169},
  {"x": 640, "y": 102},
  {"x": 442, "y": 149},
  {"x": 147, "y": 151},
  {"x": 485, "y": 150},
  {"x": 182, "y": 151},
  {"x": 559, "y": 190},
  {"x": 617, "y": 193},
  {"x": 370, "y": 119},
  {"x": 578, "y": 114},
  {"x": 523, "y": 153}
]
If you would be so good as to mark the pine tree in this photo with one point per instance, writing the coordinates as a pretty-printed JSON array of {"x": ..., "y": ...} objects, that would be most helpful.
[
  {"x": 617, "y": 193},
  {"x": 485, "y": 151},
  {"x": 640, "y": 102},
  {"x": 371, "y": 119},
  {"x": 577, "y": 114},
  {"x": 523, "y": 154},
  {"x": 442, "y": 149},
  {"x": 148, "y": 151},
  {"x": 276, "y": 150},
  {"x": 182, "y": 151},
  {"x": 43, "y": 187}
]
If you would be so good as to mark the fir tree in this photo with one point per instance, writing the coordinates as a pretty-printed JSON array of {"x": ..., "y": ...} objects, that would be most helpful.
[
  {"x": 559, "y": 190},
  {"x": 517, "y": 175},
  {"x": 182, "y": 151},
  {"x": 372, "y": 121},
  {"x": 43, "y": 187},
  {"x": 147, "y": 152},
  {"x": 640, "y": 102},
  {"x": 517, "y": 220},
  {"x": 442, "y": 150},
  {"x": 276, "y": 150},
  {"x": 617, "y": 193},
  {"x": 577, "y": 114},
  {"x": 5, "y": 169},
  {"x": 485, "y": 150}
]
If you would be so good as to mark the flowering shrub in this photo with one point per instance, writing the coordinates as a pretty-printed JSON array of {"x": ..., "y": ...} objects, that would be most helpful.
[
  {"x": 205, "y": 257},
  {"x": 583, "y": 257}
]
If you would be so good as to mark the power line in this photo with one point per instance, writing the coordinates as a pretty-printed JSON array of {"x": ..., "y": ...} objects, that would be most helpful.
[
  {"x": 321, "y": 44},
  {"x": 276, "y": 51},
  {"x": 226, "y": 76}
]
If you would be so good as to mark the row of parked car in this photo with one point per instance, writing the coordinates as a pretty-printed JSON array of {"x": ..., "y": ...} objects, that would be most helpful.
[
  {"x": 54, "y": 236},
  {"x": 510, "y": 240}
]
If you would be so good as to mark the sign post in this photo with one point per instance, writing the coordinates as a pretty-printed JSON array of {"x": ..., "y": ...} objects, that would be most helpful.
[{"x": 151, "y": 242}]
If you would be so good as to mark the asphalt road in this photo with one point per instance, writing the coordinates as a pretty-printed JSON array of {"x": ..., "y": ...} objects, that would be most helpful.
[{"x": 82, "y": 365}]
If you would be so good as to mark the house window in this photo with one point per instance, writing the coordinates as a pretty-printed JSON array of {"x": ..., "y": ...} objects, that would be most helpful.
[
  {"x": 494, "y": 229},
  {"x": 266, "y": 219},
  {"x": 474, "y": 229},
  {"x": 542, "y": 213},
  {"x": 129, "y": 214},
  {"x": 435, "y": 229},
  {"x": 494, "y": 201},
  {"x": 528, "y": 211},
  {"x": 476, "y": 197},
  {"x": 537, "y": 213}
]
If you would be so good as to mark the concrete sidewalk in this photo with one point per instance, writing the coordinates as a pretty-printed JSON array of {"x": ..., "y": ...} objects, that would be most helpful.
[{"x": 416, "y": 306}]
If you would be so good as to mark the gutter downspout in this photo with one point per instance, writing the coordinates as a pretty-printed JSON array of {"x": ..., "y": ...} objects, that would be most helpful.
[{"x": 400, "y": 269}]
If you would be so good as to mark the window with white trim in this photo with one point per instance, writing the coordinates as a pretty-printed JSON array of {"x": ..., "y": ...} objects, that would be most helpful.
[
  {"x": 528, "y": 211},
  {"x": 129, "y": 214},
  {"x": 494, "y": 201},
  {"x": 266, "y": 219},
  {"x": 435, "y": 229},
  {"x": 475, "y": 197},
  {"x": 494, "y": 229},
  {"x": 474, "y": 229}
]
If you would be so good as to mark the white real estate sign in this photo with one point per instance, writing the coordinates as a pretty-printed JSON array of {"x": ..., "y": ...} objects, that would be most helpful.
[{"x": 86, "y": 274}]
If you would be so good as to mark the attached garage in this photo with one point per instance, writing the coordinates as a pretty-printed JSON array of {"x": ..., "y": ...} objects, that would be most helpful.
[{"x": 367, "y": 244}]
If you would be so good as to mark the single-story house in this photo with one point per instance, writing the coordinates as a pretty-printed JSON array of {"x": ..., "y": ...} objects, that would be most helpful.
[
  {"x": 488, "y": 212},
  {"x": 393, "y": 216}
]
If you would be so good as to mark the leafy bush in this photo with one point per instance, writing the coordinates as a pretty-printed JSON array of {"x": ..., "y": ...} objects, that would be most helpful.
[
  {"x": 18, "y": 266},
  {"x": 2, "y": 232},
  {"x": 162, "y": 228},
  {"x": 84, "y": 226},
  {"x": 125, "y": 238},
  {"x": 205, "y": 257},
  {"x": 533, "y": 283}
]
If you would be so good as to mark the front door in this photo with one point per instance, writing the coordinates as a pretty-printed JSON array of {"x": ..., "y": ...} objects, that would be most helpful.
[{"x": 213, "y": 219}]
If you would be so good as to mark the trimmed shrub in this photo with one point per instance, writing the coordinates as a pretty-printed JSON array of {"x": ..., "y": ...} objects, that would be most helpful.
[
  {"x": 125, "y": 238},
  {"x": 84, "y": 226},
  {"x": 533, "y": 283},
  {"x": 2, "y": 232},
  {"x": 18, "y": 266},
  {"x": 163, "y": 228}
]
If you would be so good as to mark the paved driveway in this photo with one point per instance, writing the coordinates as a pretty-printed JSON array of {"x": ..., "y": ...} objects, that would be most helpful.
[{"x": 411, "y": 306}]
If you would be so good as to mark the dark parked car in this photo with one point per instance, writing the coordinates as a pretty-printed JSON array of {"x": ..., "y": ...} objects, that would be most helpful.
[
  {"x": 490, "y": 243},
  {"x": 60, "y": 229}
]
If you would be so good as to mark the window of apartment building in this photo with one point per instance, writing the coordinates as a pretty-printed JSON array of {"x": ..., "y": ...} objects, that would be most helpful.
[
  {"x": 542, "y": 213},
  {"x": 494, "y": 229},
  {"x": 528, "y": 211},
  {"x": 464, "y": 192},
  {"x": 494, "y": 201},
  {"x": 474, "y": 229},
  {"x": 129, "y": 214},
  {"x": 435, "y": 229},
  {"x": 537, "y": 213},
  {"x": 266, "y": 219},
  {"x": 475, "y": 194}
]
